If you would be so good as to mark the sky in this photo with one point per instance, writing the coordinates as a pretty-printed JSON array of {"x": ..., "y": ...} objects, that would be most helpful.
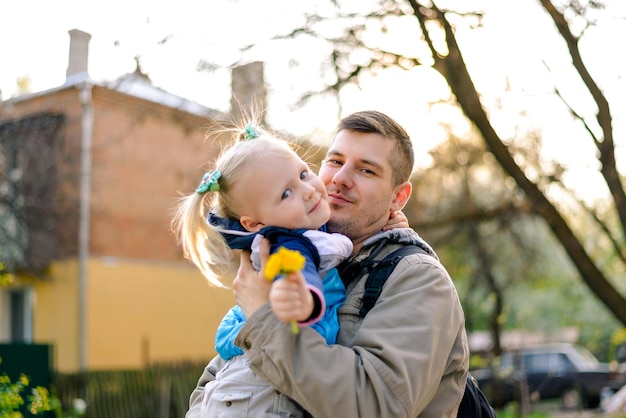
[
  {"x": 516, "y": 48},
  {"x": 34, "y": 42},
  {"x": 194, "y": 31}
]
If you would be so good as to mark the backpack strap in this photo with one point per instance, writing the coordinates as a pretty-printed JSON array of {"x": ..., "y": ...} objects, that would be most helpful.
[{"x": 380, "y": 272}]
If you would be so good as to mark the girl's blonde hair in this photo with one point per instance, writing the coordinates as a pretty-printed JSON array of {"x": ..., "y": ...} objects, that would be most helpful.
[{"x": 202, "y": 243}]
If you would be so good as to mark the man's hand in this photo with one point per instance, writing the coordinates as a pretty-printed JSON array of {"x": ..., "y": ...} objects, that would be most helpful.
[
  {"x": 291, "y": 298},
  {"x": 250, "y": 287},
  {"x": 396, "y": 220}
]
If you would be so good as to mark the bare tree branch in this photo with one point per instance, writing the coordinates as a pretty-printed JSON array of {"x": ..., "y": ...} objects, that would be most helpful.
[{"x": 606, "y": 146}]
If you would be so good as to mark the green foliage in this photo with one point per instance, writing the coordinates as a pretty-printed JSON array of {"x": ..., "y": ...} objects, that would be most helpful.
[
  {"x": 546, "y": 410},
  {"x": 5, "y": 277},
  {"x": 12, "y": 398},
  {"x": 511, "y": 412},
  {"x": 39, "y": 401},
  {"x": 541, "y": 290}
]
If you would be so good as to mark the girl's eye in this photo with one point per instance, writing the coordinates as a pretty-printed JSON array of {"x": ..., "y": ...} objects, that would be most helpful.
[
  {"x": 286, "y": 194},
  {"x": 304, "y": 175}
]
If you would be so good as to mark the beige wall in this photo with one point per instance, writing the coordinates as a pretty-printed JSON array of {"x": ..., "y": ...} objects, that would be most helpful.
[
  {"x": 150, "y": 312},
  {"x": 138, "y": 313},
  {"x": 55, "y": 319}
]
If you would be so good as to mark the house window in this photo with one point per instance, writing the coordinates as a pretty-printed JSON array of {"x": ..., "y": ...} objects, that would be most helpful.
[{"x": 17, "y": 318}]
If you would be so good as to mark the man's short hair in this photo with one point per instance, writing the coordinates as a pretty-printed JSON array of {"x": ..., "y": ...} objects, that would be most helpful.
[{"x": 370, "y": 121}]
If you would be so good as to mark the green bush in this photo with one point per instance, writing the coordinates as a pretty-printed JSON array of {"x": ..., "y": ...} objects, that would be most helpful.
[{"x": 12, "y": 398}]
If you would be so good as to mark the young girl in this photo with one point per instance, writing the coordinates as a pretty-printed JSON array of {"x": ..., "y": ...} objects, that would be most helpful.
[{"x": 261, "y": 188}]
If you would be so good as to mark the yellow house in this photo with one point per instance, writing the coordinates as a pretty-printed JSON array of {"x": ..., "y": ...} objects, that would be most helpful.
[{"x": 89, "y": 175}]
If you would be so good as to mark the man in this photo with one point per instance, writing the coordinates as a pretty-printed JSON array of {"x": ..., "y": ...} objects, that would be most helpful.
[{"x": 409, "y": 356}]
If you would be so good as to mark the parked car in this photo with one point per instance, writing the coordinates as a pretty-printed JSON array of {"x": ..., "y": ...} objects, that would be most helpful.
[{"x": 551, "y": 371}]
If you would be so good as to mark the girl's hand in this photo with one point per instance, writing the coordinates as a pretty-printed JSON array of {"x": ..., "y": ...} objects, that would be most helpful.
[
  {"x": 396, "y": 220},
  {"x": 291, "y": 299}
]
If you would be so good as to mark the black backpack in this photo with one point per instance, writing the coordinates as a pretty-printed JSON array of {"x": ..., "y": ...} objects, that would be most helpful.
[{"x": 474, "y": 403}]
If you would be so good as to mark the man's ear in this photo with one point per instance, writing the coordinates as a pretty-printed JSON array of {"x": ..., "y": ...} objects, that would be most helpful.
[
  {"x": 251, "y": 225},
  {"x": 401, "y": 196}
]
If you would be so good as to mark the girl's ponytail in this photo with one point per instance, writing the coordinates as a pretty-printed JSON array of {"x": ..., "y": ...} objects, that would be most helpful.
[{"x": 201, "y": 242}]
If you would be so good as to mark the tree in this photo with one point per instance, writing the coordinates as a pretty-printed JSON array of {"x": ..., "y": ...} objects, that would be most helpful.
[
  {"x": 29, "y": 220},
  {"x": 490, "y": 241},
  {"x": 506, "y": 264},
  {"x": 452, "y": 67},
  {"x": 538, "y": 180}
]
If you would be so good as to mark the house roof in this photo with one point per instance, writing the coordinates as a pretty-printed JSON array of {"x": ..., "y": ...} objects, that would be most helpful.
[{"x": 134, "y": 84}]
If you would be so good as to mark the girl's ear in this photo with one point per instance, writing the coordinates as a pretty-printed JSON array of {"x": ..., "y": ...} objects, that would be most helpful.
[
  {"x": 401, "y": 196},
  {"x": 250, "y": 224}
]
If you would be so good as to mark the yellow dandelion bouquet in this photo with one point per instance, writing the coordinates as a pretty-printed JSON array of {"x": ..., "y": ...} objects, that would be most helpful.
[{"x": 281, "y": 263}]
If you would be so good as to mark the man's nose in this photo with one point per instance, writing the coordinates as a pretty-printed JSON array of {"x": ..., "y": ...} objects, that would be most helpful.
[{"x": 343, "y": 177}]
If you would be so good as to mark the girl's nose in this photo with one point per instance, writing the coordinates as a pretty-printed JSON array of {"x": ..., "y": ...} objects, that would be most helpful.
[{"x": 309, "y": 192}]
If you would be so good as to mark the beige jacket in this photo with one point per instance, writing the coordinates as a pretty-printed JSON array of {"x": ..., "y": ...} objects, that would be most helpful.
[{"x": 407, "y": 358}]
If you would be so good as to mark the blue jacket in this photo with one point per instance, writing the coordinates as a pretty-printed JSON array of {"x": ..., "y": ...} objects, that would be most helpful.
[{"x": 328, "y": 295}]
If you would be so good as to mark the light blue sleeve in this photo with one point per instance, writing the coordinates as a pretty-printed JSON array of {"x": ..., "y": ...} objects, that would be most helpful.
[
  {"x": 227, "y": 332},
  {"x": 335, "y": 294}
]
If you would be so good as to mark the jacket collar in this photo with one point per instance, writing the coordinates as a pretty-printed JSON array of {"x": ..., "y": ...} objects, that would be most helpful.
[{"x": 399, "y": 236}]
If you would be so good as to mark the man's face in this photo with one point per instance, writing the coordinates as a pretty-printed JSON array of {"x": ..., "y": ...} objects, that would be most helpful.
[{"x": 358, "y": 177}]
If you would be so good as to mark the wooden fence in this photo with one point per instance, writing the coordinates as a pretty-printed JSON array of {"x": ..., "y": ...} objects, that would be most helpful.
[{"x": 155, "y": 392}]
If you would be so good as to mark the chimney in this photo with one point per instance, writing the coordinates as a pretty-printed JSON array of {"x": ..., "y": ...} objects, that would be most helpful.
[
  {"x": 248, "y": 92},
  {"x": 79, "y": 53}
]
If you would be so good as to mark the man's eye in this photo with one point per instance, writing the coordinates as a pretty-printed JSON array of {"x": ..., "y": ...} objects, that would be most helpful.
[
  {"x": 286, "y": 194},
  {"x": 333, "y": 162}
]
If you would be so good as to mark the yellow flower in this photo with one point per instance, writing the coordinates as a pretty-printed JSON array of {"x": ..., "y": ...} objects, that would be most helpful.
[
  {"x": 272, "y": 268},
  {"x": 283, "y": 261}
]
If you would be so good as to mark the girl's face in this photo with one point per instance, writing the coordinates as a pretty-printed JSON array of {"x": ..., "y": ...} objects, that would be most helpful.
[{"x": 280, "y": 190}]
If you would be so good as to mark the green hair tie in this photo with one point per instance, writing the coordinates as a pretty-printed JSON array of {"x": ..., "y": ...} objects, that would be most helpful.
[
  {"x": 251, "y": 132},
  {"x": 209, "y": 182}
]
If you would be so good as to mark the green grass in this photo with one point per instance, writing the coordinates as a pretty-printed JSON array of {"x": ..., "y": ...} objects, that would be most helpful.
[{"x": 550, "y": 409}]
